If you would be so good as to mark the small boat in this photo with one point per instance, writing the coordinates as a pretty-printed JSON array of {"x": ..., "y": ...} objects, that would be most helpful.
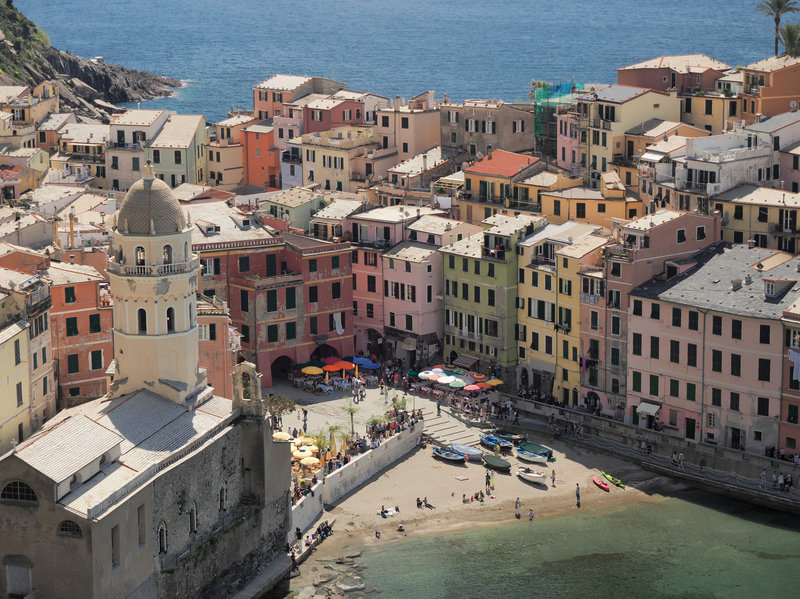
[
  {"x": 473, "y": 454},
  {"x": 449, "y": 456},
  {"x": 509, "y": 436},
  {"x": 613, "y": 481},
  {"x": 530, "y": 475},
  {"x": 540, "y": 449},
  {"x": 491, "y": 441},
  {"x": 496, "y": 463},
  {"x": 529, "y": 456},
  {"x": 600, "y": 483}
]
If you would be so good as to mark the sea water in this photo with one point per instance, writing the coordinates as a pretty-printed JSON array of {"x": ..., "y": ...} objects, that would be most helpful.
[
  {"x": 689, "y": 545},
  {"x": 467, "y": 49}
]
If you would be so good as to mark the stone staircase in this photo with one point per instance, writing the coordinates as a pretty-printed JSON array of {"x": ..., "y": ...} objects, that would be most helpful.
[{"x": 446, "y": 429}]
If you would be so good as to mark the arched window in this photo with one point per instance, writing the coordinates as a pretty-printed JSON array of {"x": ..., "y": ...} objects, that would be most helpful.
[
  {"x": 167, "y": 254},
  {"x": 18, "y": 491},
  {"x": 162, "y": 537},
  {"x": 193, "y": 518},
  {"x": 140, "y": 256},
  {"x": 120, "y": 256},
  {"x": 170, "y": 320},
  {"x": 68, "y": 528},
  {"x": 246, "y": 385},
  {"x": 141, "y": 314}
]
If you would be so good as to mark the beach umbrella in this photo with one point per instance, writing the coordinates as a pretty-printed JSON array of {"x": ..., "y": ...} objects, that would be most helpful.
[
  {"x": 370, "y": 366},
  {"x": 445, "y": 379},
  {"x": 413, "y": 372},
  {"x": 478, "y": 376},
  {"x": 310, "y": 461},
  {"x": 333, "y": 444},
  {"x": 483, "y": 385},
  {"x": 438, "y": 370},
  {"x": 361, "y": 361},
  {"x": 458, "y": 384},
  {"x": 494, "y": 382},
  {"x": 317, "y": 363},
  {"x": 281, "y": 436},
  {"x": 301, "y": 453},
  {"x": 330, "y": 360},
  {"x": 424, "y": 375},
  {"x": 345, "y": 365},
  {"x": 328, "y": 368},
  {"x": 306, "y": 441},
  {"x": 438, "y": 366},
  {"x": 471, "y": 388},
  {"x": 311, "y": 447},
  {"x": 312, "y": 370},
  {"x": 435, "y": 376}
]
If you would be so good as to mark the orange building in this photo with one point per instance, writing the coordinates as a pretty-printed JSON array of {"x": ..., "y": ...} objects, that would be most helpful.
[
  {"x": 262, "y": 164},
  {"x": 770, "y": 87}
]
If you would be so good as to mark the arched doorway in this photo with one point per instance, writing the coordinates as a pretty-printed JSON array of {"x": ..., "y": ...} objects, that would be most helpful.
[
  {"x": 376, "y": 345},
  {"x": 280, "y": 367},
  {"x": 453, "y": 356},
  {"x": 324, "y": 351}
]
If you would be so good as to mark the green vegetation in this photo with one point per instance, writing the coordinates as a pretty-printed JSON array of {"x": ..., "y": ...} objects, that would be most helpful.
[
  {"x": 777, "y": 9},
  {"x": 278, "y": 404},
  {"x": 790, "y": 38},
  {"x": 21, "y": 50}
]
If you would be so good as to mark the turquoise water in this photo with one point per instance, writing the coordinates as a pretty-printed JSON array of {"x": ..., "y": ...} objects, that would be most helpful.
[
  {"x": 689, "y": 546},
  {"x": 467, "y": 49}
]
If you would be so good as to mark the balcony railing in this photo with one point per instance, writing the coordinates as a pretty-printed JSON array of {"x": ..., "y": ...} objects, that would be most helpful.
[
  {"x": 266, "y": 282},
  {"x": 291, "y": 158},
  {"x": 118, "y": 145},
  {"x": 39, "y": 306},
  {"x": 463, "y": 333},
  {"x": 155, "y": 270},
  {"x": 601, "y": 124},
  {"x": 84, "y": 157},
  {"x": 498, "y": 254}
]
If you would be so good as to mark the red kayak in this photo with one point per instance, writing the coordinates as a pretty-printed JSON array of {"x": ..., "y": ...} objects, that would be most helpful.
[{"x": 600, "y": 483}]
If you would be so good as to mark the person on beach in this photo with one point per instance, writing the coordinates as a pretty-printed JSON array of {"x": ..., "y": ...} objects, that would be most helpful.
[
  {"x": 530, "y": 515},
  {"x": 377, "y": 534},
  {"x": 491, "y": 482},
  {"x": 578, "y": 494},
  {"x": 774, "y": 479},
  {"x": 517, "y": 505},
  {"x": 488, "y": 481},
  {"x": 553, "y": 477},
  {"x": 763, "y": 480}
]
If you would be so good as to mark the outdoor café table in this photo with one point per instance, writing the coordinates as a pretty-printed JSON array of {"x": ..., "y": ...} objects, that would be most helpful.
[{"x": 325, "y": 388}]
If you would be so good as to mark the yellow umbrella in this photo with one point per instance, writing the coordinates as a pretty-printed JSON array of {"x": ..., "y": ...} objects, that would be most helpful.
[
  {"x": 309, "y": 461},
  {"x": 281, "y": 436},
  {"x": 494, "y": 382},
  {"x": 312, "y": 370},
  {"x": 306, "y": 441},
  {"x": 300, "y": 454},
  {"x": 312, "y": 448}
]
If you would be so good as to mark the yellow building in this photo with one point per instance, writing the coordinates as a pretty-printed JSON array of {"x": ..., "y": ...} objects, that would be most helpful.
[
  {"x": 82, "y": 152},
  {"x": 528, "y": 192},
  {"x": 548, "y": 307},
  {"x": 26, "y": 108},
  {"x": 710, "y": 110},
  {"x": 226, "y": 153},
  {"x": 764, "y": 215},
  {"x": 15, "y": 420},
  {"x": 597, "y": 207}
]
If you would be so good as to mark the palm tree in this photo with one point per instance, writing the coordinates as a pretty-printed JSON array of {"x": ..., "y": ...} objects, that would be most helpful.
[
  {"x": 776, "y": 9},
  {"x": 790, "y": 38}
]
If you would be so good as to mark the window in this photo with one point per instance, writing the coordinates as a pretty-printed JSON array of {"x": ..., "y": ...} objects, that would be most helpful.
[
  {"x": 18, "y": 491},
  {"x": 476, "y": 295},
  {"x": 700, "y": 233},
  {"x": 291, "y": 330},
  {"x": 97, "y": 359},
  {"x": 676, "y": 317},
  {"x": 580, "y": 210},
  {"x": 335, "y": 262},
  {"x": 156, "y": 156},
  {"x": 763, "y": 406},
  {"x": 72, "y": 364},
  {"x": 312, "y": 265},
  {"x": 736, "y": 329},
  {"x": 653, "y": 384},
  {"x": 637, "y": 307},
  {"x": 734, "y": 401},
  {"x": 616, "y": 269},
  {"x": 409, "y": 322},
  {"x": 272, "y": 300},
  {"x": 674, "y": 388},
  {"x": 655, "y": 311},
  {"x": 74, "y": 391},
  {"x": 69, "y": 295},
  {"x": 637, "y": 344},
  {"x": 19, "y": 398},
  {"x": 736, "y": 365},
  {"x": 674, "y": 351},
  {"x": 716, "y": 360},
  {"x": 313, "y": 295},
  {"x": 763, "y": 369},
  {"x": 764, "y": 333},
  {"x": 615, "y": 356},
  {"x": 245, "y": 334},
  {"x": 68, "y": 528},
  {"x": 244, "y": 299},
  {"x": 162, "y": 537},
  {"x": 17, "y": 352},
  {"x": 491, "y": 270},
  {"x": 371, "y": 283},
  {"x": 636, "y": 381},
  {"x": 291, "y": 301},
  {"x": 72, "y": 326},
  {"x": 115, "y": 546},
  {"x": 693, "y": 320},
  {"x": 716, "y": 325},
  {"x": 178, "y": 157},
  {"x": 691, "y": 354},
  {"x": 404, "y": 122},
  {"x": 272, "y": 333},
  {"x": 244, "y": 264},
  {"x": 94, "y": 323},
  {"x": 654, "y": 347}
]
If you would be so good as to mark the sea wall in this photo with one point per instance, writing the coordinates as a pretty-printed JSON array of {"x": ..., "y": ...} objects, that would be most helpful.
[
  {"x": 360, "y": 469},
  {"x": 306, "y": 511}
]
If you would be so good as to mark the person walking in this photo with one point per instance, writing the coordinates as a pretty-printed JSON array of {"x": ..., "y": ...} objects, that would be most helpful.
[
  {"x": 517, "y": 506},
  {"x": 516, "y": 418},
  {"x": 763, "y": 480},
  {"x": 488, "y": 480},
  {"x": 578, "y": 494},
  {"x": 439, "y": 406},
  {"x": 680, "y": 460},
  {"x": 553, "y": 477},
  {"x": 530, "y": 515},
  {"x": 774, "y": 479}
]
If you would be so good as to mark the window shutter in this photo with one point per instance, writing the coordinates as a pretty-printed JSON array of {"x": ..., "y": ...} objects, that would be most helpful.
[
  {"x": 483, "y": 126},
  {"x": 456, "y": 117}
]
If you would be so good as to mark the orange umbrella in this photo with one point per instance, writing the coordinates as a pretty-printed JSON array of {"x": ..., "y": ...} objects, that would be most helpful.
[
  {"x": 345, "y": 365},
  {"x": 483, "y": 385},
  {"x": 478, "y": 377},
  {"x": 328, "y": 368}
]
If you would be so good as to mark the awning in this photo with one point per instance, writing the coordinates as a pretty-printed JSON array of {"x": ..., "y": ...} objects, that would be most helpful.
[
  {"x": 409, "y": 344},
  {"x": 648, "y": 408},
  {"x": 652, "y": 157},
  {"x": 465, "y": 361}
]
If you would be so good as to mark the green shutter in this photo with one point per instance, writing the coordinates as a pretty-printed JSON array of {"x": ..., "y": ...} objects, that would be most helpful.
[
  {"x": 290, "y": 298},
  {"x": 637, "y": 381}
]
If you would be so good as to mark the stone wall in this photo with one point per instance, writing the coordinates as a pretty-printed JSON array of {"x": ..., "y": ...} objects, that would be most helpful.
[{"x": 306, "y": 511}]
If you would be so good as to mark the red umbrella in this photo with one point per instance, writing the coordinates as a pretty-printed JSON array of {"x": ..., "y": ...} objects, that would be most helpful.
[
  {"x": 483, "y": 385},
  {"x": 472, "y": 387},
  {"x": 328, "y": 369},
  {"x": 478, "y": 376},
  {"x": 331, "y": 360}
]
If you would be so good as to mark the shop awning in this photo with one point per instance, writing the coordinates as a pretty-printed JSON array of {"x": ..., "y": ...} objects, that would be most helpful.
[
  {"x": 648, "y": 408},
  {"x": 465, "y": 361},
  {"x": 652, "y": 157}
]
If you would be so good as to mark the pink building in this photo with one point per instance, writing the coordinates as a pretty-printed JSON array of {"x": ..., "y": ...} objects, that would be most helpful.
[
  {"x": 707, "y": 347},
  {"x": 218, "y": 343},
  {"x": 271, "y": 96},
  {"x": 684, "y": 72},
  {"x": 568, "y": 141},
  {"x": 372, "y": 233},
  {"x": 789, "y": 433},
  {"x": 327, "y": 113},
  {"x": 647, "y": 247}
]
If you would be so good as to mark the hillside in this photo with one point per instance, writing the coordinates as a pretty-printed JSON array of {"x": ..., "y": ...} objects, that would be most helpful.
[{"x": 27, "y": 58}]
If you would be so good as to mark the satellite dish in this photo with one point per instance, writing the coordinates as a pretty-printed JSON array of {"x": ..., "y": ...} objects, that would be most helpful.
[{"x": 793, "y": 104}]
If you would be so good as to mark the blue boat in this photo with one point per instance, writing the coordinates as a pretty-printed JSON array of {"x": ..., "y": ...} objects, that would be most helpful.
[
  {"x": 530, "y": 456},
  {"x": 492, "y": 442},
  {"x": 449, "y": 456},
  {"x": 472, "y": 454}
]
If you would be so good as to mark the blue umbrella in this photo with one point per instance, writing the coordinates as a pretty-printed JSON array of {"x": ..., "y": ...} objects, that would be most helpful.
[
  {"x": 362, "y": 362},
  {"x": 369, "y": 366}
]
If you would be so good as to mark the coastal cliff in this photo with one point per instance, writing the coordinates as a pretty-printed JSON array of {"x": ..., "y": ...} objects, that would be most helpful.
[{"x": 85, "y": 86}]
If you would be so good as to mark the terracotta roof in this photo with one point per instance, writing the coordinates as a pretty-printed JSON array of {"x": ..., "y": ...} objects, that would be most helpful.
[
  {"x": 501, "y": 163},
  {"x": 681, "y": 63},
  {"x": 773, "y": 63}
]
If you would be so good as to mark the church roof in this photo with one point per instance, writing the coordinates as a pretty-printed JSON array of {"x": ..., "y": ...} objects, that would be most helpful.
[{"x": 149, "y": 206}]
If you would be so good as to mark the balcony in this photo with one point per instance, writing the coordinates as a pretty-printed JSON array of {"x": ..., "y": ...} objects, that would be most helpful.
[
  {"x": 498, "y": 254},
  {"x": 155, "y": 270},
  {"x": 266, "y": 282},
  {"x": 131, "y": 147},
  {"x": 354, "y": 176},
  {"x": 601, "y": 124},
  {"x": 291, "y": 158},
  {"x": 84, "y": 157},
  {"x": 39, "y": 307},
  {"x": 463, "y": 333}
]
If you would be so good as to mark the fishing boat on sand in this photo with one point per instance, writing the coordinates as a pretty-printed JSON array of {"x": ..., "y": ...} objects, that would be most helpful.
[
  {"x": 473, "y": 454},
  {"x": 529, "y": 456},
  {"x": 491, "y": 441},
  {"x": 496, "y": 463},
  {"x": 448, "y": 456},
  {"x": 600, "y": 483},
  {"x": 540, "y": 449},
  {"x": 613, "y": 481},
  {"x": 533, "y": 476},
  {"x": 509, "y": 436}
]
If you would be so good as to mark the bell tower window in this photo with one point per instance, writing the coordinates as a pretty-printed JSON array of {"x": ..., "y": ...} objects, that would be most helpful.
[
  {"x": 142, "y": 319},
  {"x": 139, "y": 256},
  {"x": 170, "y": 320},
  {"x": 167, "y": 254}
]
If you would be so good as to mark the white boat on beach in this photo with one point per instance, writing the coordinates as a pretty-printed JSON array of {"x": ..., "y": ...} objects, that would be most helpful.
[
  {"x": 533, "y": 458},
  {"x": 530, "y": 475}
]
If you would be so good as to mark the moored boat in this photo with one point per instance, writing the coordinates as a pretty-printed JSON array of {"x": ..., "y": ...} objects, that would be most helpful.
[
  {"x": 496, "y": 463},
  {"x": 613, "y": 481},
  {"x": 448, "y": 455},
  {"x": 533, "y": 476},
  {"x": 491, "y": 441},
  {"x": 509, "y": 436},
  {"x": 600, "y": 483},
  {"x": 529, "y": 456},
  {"x": 472, "y": 454},
  {"x": 540, "y": 449}
]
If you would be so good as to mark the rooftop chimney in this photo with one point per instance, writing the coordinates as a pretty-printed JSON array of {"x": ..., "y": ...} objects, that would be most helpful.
[
  {"x": 751, "y": 243},
  {"x": 736, "y": 284}
]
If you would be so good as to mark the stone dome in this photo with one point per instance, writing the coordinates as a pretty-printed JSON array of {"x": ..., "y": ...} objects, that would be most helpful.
[{"x": 150, "y": 206}]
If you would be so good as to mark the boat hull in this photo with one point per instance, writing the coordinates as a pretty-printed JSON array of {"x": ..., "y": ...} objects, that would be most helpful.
[
  {"x": 496, "y": 463},
  {"x": 600, "y": 483},
  {"x": 472, "y": 454},
  {"x": 532, "y": 476},
  {"x": 491, "y": 442},
  {"x": 532, "y": 458},
  {"x": 449, "y": 456}
]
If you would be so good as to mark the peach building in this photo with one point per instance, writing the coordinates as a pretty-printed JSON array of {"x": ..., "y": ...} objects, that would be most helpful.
[
  {"x": 771, "y": 87},
  {"x": 271, "y": 96},
  {"x": 262, "y": 167},
  {"x": 683, "y": 72},
  {"x": 226, "y": 153},
  {"x": 218, "y": 343}
]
